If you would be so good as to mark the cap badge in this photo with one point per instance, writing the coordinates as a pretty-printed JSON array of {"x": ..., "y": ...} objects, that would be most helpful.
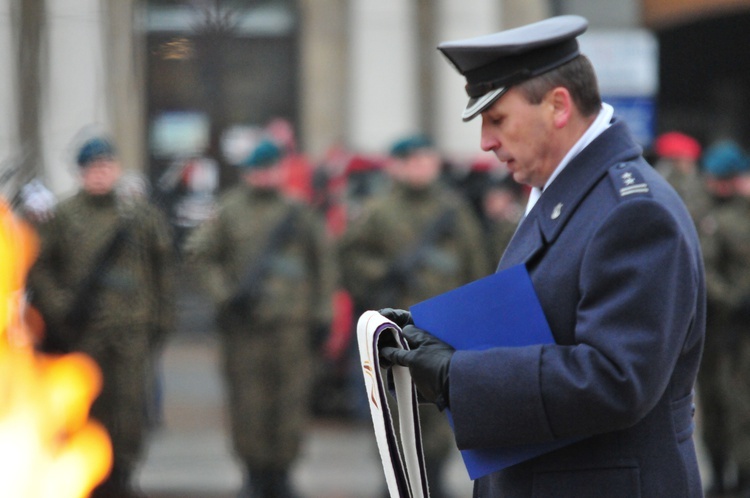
[{"x": 556, "y": 211}]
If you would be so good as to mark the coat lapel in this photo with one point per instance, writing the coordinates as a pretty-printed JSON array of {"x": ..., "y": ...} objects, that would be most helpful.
[{"x": 560, "y": 200}]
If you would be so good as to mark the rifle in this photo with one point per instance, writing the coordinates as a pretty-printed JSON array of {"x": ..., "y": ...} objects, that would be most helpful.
[
  {"x": 397, "y": 277},
  {"x": 250, "y": 286}
]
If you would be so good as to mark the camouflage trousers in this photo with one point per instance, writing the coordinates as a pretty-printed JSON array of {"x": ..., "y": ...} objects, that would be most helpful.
[
  {"x": 123, "y": 358},
  {"x": 737, "y": 395},
  {"x": 714, "y": 428},
  {"x": 268, "y": 377}
]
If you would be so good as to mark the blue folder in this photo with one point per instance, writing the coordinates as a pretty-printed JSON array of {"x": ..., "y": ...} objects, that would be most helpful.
[{"x": 501, "y": 310}]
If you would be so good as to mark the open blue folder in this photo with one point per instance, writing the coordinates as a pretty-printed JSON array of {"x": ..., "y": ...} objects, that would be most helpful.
[{"x": 500, "y": 310}]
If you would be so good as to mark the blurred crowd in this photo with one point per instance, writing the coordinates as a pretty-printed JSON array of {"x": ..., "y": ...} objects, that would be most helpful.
[
  {"x": 714, "y": 182},
  {"x": 296, "y": 249}
]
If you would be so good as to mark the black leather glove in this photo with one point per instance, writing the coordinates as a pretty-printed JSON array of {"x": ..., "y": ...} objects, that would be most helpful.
[
  {"x": 402, "y": 318},
  {"x": 428, "y": 361}
]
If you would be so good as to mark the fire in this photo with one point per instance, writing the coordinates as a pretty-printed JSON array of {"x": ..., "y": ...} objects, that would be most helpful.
[{"x": 48, "y": 446}]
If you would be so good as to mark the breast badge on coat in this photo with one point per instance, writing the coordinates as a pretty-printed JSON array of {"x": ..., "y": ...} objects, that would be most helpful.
[{"x": 557, "y": 211}]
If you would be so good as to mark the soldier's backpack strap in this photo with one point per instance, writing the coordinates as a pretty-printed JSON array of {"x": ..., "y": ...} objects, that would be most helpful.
[{"x": 411, "y": 481}]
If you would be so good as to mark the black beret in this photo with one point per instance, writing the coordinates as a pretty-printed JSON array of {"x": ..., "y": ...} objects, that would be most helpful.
[
  {"x": 493, "y": 63},
  {"x": 94, "y": 149},
  {"x": 408, "y": 145}
]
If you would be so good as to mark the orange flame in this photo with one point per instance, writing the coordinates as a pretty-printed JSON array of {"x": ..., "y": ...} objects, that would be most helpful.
[{"x": 48, "y": 447}]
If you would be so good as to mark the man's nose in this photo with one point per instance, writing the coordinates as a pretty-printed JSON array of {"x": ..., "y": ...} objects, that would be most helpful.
[{"x": 488, "y": 141}]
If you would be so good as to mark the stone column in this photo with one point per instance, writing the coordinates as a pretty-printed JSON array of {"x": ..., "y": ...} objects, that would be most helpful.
[
  {"x": 324, "y": 90},
  {"x": 23, "y": 45},
  {"x": 383, "y": 104},
  {"x": 124, "y": 51},
  {"x": 9, "y": 147},
  {"x": 426, "y": 62},
  {"x": 458, "y": 19},
  {"x": 520, "y": 12},
  {"x": 74, "y": 96}
]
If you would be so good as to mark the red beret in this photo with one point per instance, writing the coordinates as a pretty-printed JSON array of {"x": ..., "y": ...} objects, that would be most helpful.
[
  {"x": 359, "y": 163},
  {"x": 676, "y": 145}
]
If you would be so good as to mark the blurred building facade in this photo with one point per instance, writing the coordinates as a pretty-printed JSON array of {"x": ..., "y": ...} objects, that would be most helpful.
[{"x": 174, "y": 78}]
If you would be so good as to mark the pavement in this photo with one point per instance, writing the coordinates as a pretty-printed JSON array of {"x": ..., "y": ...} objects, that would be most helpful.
[{"x": 189, "y": 454}]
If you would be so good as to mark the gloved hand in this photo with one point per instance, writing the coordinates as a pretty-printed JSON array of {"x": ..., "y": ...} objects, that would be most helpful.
[
  {"x": 428, "y": 361},
  {"x": 402, "y": 318}
]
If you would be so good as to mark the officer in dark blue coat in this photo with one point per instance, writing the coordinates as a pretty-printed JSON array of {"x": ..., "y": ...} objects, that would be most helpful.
[{"x": 616, "y": 264}]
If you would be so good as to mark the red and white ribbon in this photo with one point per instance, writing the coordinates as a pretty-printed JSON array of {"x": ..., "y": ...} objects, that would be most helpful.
[{"x": 409, "y": 481}]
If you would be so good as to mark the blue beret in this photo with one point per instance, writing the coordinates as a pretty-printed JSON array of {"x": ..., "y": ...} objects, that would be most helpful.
[
  {"x": 93, "y": 149},
  {"x": 493, "y": 63},
  {"x": 725, "y": 159},
  {"x": 265, "y": 154},
  {"x": 407, "y": 146}
]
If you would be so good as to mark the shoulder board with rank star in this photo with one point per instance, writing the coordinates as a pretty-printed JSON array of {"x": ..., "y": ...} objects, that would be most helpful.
[{"x": 628, "y": 181}]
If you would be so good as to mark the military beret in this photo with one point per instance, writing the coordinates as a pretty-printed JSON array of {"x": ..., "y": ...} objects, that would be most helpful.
[
  {"x": 360, "y": 164},
  {"x": 677, "y": 145},
  {"x": 264, "y": 155},
  {"x": 408, "y": 145},
  {"x": 493, "y": 63},
  {"x": 725, "y": 159},
  {"x": 93, "y": 149}
]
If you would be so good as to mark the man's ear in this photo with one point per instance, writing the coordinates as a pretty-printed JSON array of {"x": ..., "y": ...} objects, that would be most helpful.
[{"x": 562, "y": 106}]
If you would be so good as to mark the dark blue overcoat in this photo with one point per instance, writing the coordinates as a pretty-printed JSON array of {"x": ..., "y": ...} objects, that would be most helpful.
[{"x": 616, "y": 263}]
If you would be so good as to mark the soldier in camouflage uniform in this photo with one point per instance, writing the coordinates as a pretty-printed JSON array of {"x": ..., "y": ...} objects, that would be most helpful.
[
  {"x": 724, "y": 379},
  {"x": 417, "y": 241},
  {"x": 677, "y": 161},
  {"x": 104, "y": 283},
  {"x": 266, "y": 266},
  {"x": 502, "y": 206}
]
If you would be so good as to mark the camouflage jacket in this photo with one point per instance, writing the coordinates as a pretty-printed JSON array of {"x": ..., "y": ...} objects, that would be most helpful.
[
  {"x": 133, "y": 290},
  {"x": 725, "y": 241},
  {"x": 298, "y": 281},
  {"x": 386, "y": 260}
]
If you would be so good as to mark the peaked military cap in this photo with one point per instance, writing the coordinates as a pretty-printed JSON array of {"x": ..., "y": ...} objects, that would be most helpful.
[{"x": 493, "y": 63}]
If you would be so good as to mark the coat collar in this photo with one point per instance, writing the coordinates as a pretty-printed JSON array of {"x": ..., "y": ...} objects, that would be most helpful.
[{"x": 560, "y": 200}]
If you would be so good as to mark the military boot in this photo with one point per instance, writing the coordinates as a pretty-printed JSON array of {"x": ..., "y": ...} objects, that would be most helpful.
[
  {"x": 282, "y": 487},
  {"x": 260, "y": 484}
]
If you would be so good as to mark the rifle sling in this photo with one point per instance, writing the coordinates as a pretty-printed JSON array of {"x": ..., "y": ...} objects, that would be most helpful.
[
  {"x": 431, "y": 234},
  {"x": 257, "y": 268},
  {"x": 83, "y": 303}
]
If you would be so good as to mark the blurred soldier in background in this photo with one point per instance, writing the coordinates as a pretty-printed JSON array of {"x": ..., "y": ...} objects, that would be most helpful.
[
  {"x": 724, "y": 395},
  {"x": 265, "y": 264},
  {"x": 677, "y": 157},
  {"x": 104, "y": 284},
  {"x": 417, "y": 241},
  {"x": 502, "y": 206},
  {"x": 297, "y": 170}
]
